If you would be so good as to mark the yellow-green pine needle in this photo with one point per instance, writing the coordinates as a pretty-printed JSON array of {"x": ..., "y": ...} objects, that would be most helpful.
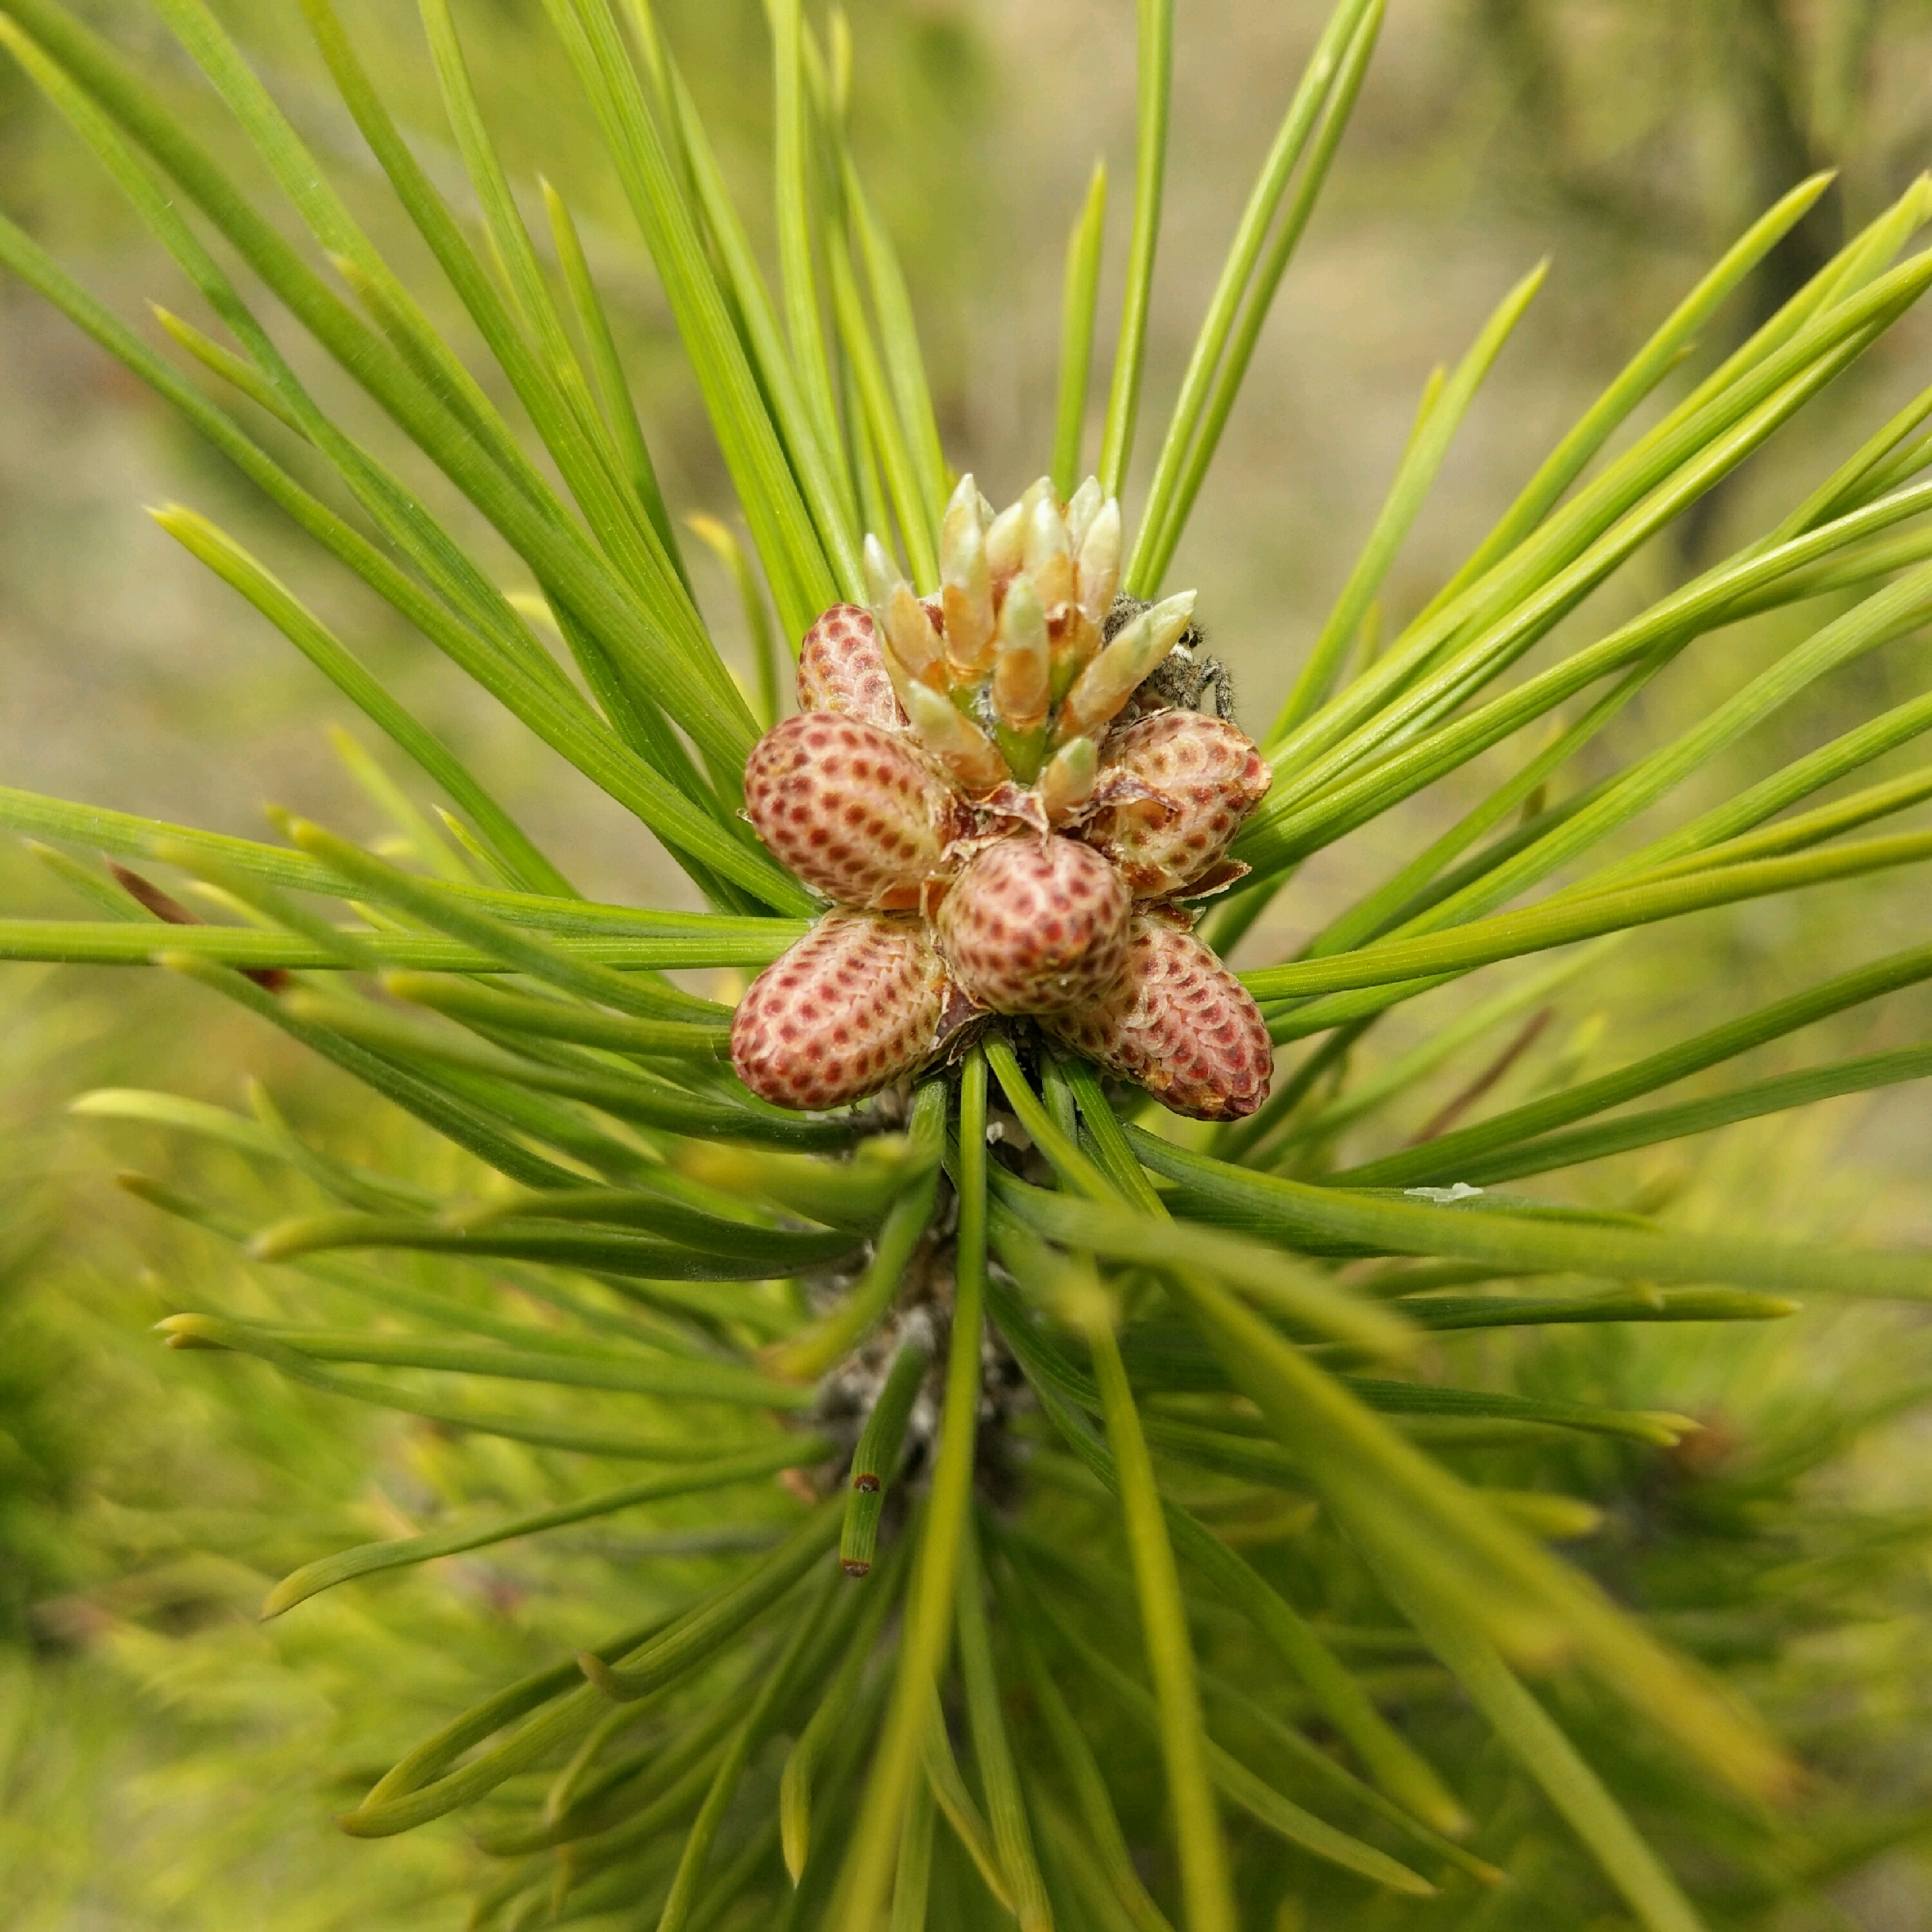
[
  {"x": 1205, "y": 1884},
  {"x": 875, "y": 1461},
  {"x": 1156, "y": 44},
  {"x": 1078, "y": 301},
  {"x": 992, "y": 1749},
  {"x": 864, "y": 1882},
  {"x": 718, "y": 537}
]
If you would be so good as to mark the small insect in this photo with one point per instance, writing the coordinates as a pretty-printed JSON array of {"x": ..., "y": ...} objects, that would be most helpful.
[{"x": 1179, "y": 681}]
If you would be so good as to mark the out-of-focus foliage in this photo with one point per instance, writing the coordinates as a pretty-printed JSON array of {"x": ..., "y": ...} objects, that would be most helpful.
[
  {"x": 155, "y": 1749},
  {"x": 1714, "y": 107},
  {"x": 166, "y": 1760}
]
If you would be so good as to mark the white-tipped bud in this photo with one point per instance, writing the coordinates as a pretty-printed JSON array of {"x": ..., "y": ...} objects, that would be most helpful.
[
  {"x": 967, "y": 500},
  {"x": 1075, "y": 641},
  {"x": 966, "y": 585},
  {"x": 880, "y": 575},
  {"x": 1099, "y": 562},
  {"x": 910, "y": 639},
  {"x": 1046, "y": 556},
  {"x": 1068, "y": 780},
  {"x": 1080, "y": 508},
  {"x": 1022, "y": 660},
  {"x": 1005, "y": 542},
  {"x": 968, "y": 755},
  {"x": 1111, "y": 678}
]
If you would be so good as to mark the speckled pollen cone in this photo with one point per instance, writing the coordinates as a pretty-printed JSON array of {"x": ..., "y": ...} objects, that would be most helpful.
[
  {"x": 854, "y": 1005},
  {"x": 1179, "y": 1023},
  {"x": 1201, "y": 778},
  {"x": 991, "y": 841},
  {"x": 841, "y": 669},
  {"x": 851, "y": 809},
  {"x": 1035, "y": 925}
]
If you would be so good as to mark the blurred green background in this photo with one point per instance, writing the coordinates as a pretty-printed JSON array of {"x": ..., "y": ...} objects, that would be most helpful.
[{"x": 164, "y": 1762}]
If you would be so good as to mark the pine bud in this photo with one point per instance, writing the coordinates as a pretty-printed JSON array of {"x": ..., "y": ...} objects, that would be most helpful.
[
  {"x": 1004, "y": 535},
  {"x": 1098, "y": 575},
  {"x": 1046, "y": 556},
  {"x": 911, "y": 641},
  {"x": 841, "y": 669},
  {"x": 1035, "y": 925},
  {"x": 851, "y": 1008},
  {"x": 966, "y": 587},
  {"x": 1111, "y": 678},
  {"x": 1178, "y": 1023},
  {"x": 970, "y": 757},
  {"x": 1201, "y": 778},
  {"x": 849, "y": 808},
  {"x": 1021, "y": 661},
  {"x": 881, "y": 573},
  {"x": 1067, "y": 782},
  {"x": 1082, "y": 508}
]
